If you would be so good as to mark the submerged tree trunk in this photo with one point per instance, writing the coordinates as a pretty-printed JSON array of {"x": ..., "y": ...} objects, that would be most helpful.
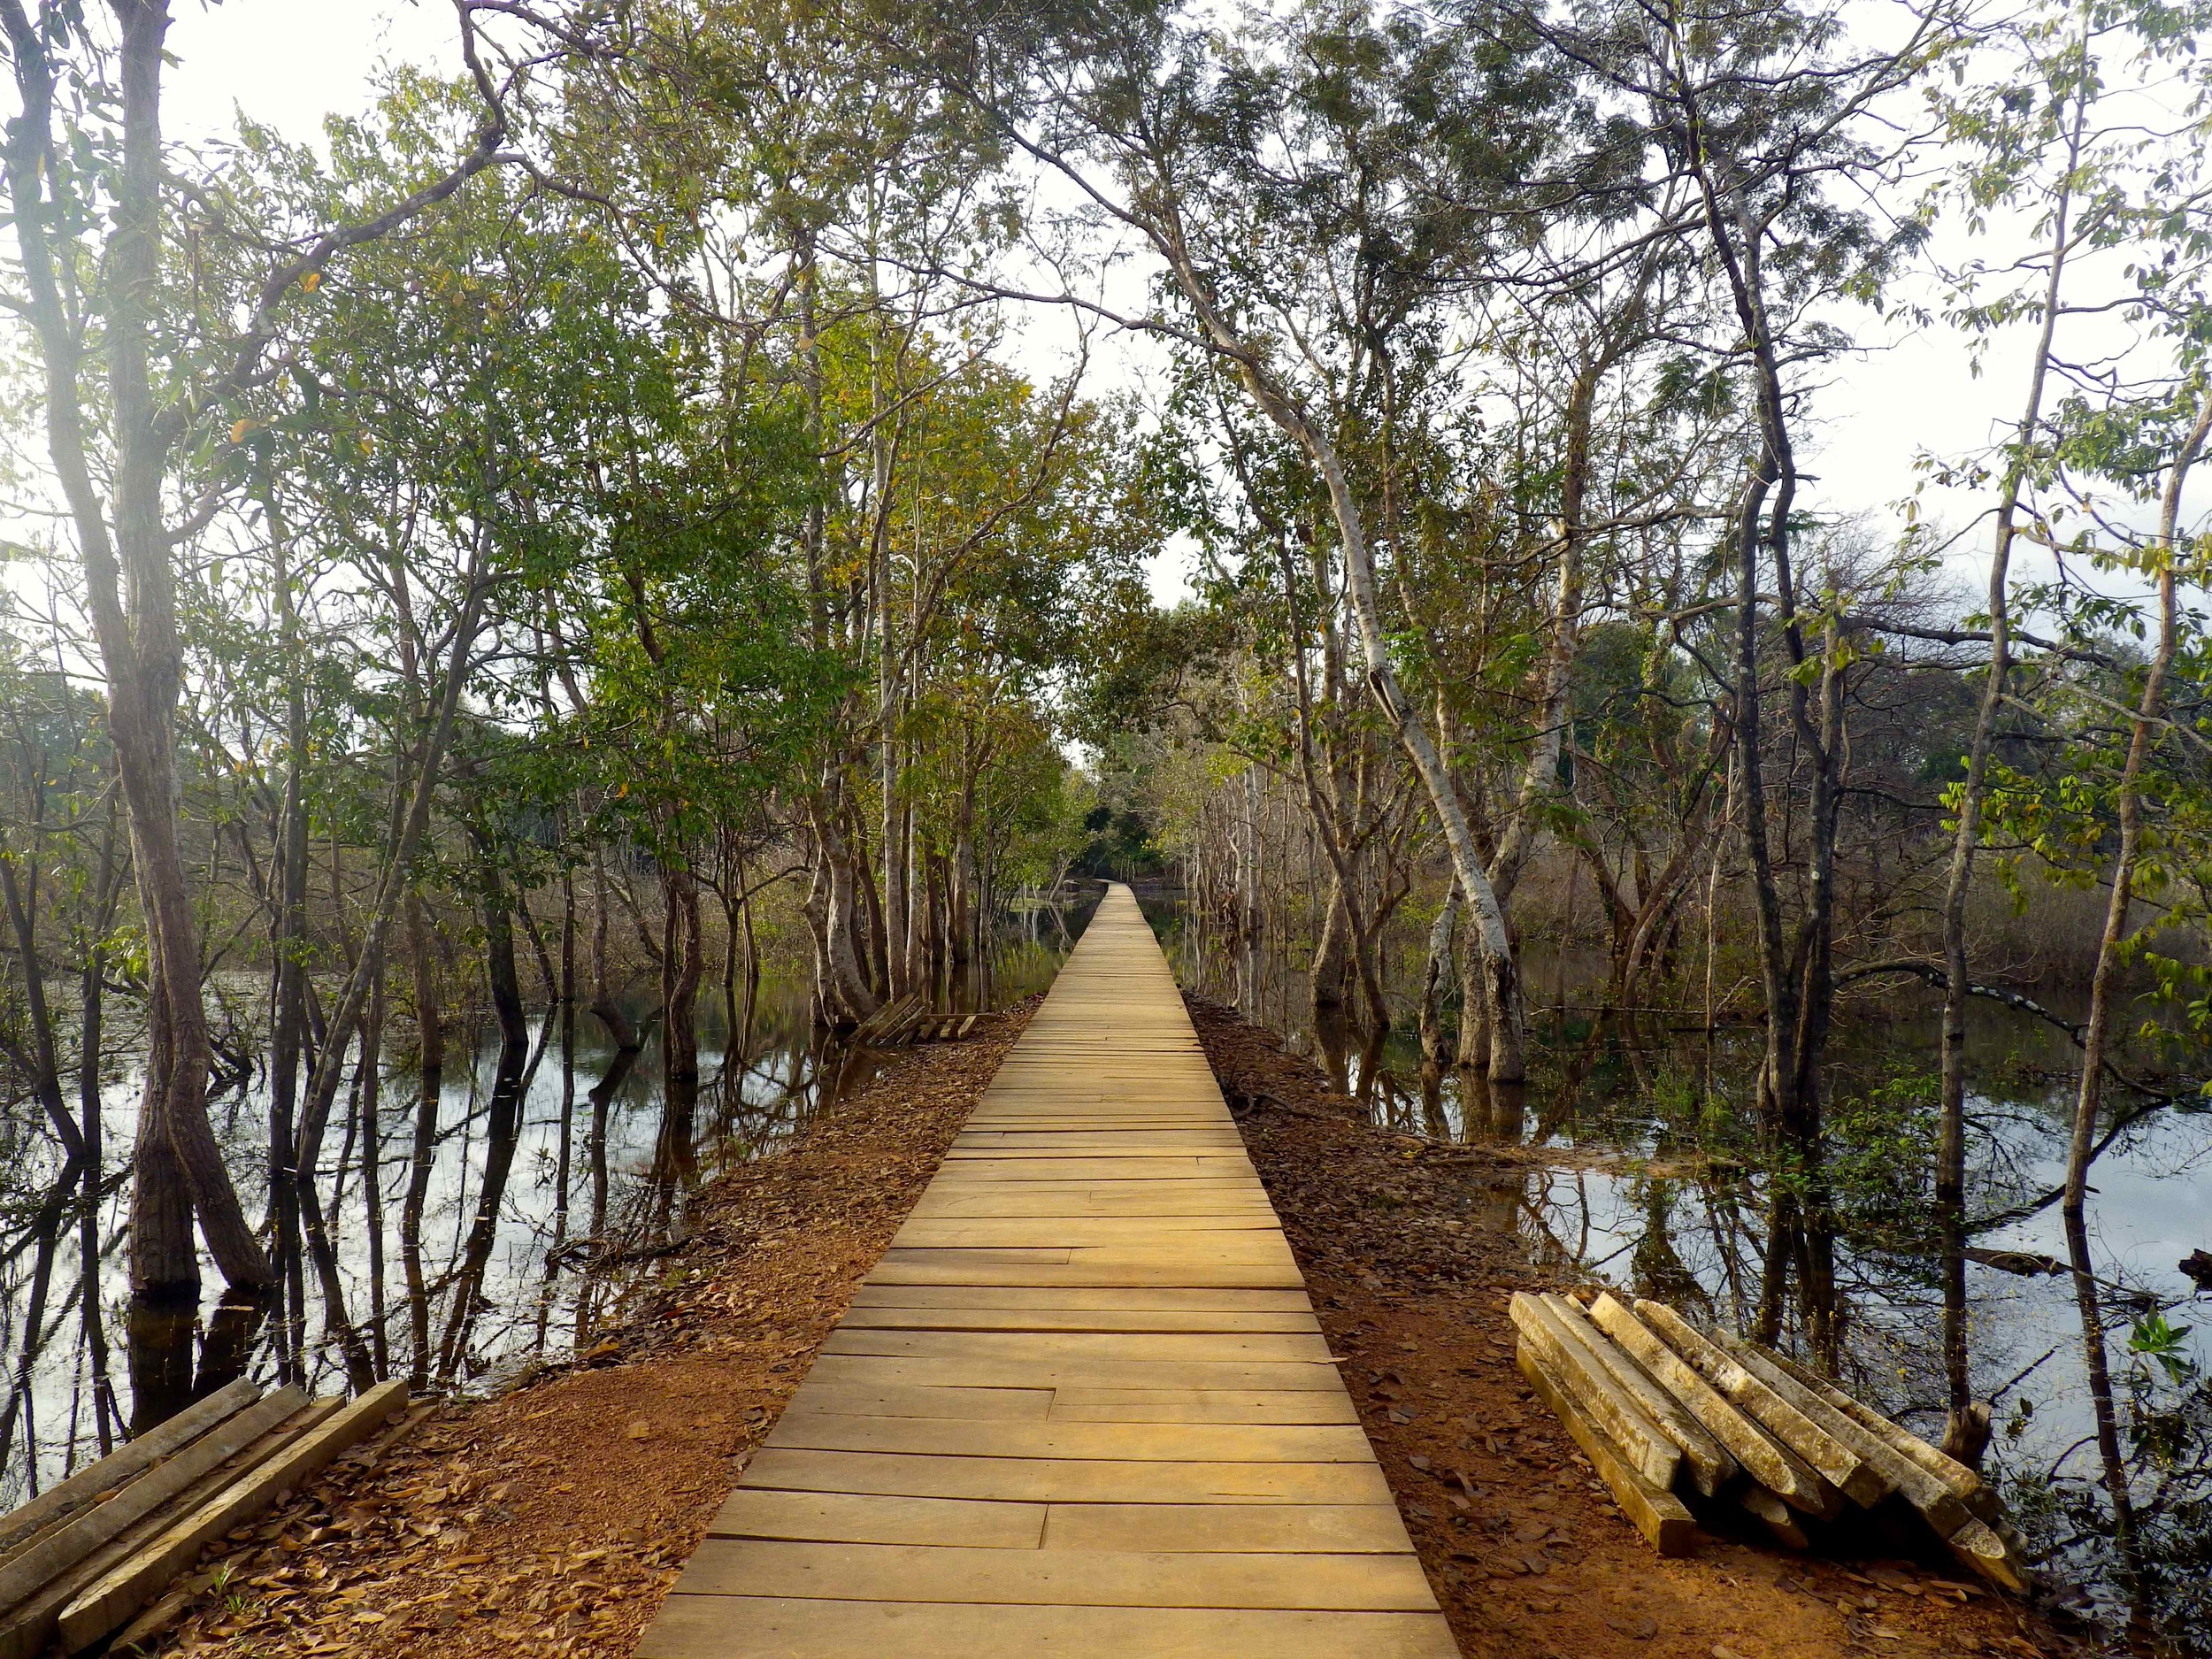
[
  {"x": 1438, "y": 975},
  {"x": 683, "y": 965},
  {"x": 604, "y": 1008},
  {"x": 1966, "y": 1426},
  {"x": 832, "y": 913},
  {"x": 372, "y": 1092},
  {"x": 1332, "y": 957}
]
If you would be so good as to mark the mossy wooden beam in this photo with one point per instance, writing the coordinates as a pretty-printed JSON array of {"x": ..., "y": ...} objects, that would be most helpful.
[
  {"x": 140, "y": 1580},
  {"x": 1836, "y": 1462},
  {"x": 1704, "y": 1458},
  {"x": 20, "y": 1527},
  {"x": 1661, "y": 1517},
  {"x": 1764, "y": 1459}
]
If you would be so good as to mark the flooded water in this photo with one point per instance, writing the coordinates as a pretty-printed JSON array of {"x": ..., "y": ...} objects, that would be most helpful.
[
  {"x": 1657, "y": 1187},
  {"x": 553, "y": 1197}
]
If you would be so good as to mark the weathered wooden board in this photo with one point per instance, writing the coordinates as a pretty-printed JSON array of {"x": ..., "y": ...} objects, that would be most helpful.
[
  {"x": 727, "y": 1626},
  {"x": 1772, "y": 1464},
  {"x": 1836, "y": 1462},
  {"x": 1059, "y": 1577},
  {"x": 1066, "y": 1480},
  {"x": 129, "y": 1461},
  {"x": 1242, "y": 1442}
]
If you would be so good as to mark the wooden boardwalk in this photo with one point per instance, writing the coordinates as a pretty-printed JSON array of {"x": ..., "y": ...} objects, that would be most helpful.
[{"x": 1082, "y": 1406}]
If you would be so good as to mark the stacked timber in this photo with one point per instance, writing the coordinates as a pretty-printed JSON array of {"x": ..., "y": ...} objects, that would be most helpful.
[
  {"x": 908, "y": 1020},
  {"x": 1679, "y": 1421},
  {"x": 80, "y": 1560}
]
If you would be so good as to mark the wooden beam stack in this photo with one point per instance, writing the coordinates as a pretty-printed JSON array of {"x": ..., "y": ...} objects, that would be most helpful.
[
  {"x": 908, "y": 1020},
  {"x": 79, "y": 1560},
  {"x": 1673, "y": 1416}
]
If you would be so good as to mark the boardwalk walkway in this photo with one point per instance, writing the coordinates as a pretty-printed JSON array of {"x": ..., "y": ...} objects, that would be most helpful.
[{"x": 1082, "y": 1406}]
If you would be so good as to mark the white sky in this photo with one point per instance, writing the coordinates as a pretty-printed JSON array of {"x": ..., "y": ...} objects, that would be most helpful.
[{"x": 291, "y": 62}]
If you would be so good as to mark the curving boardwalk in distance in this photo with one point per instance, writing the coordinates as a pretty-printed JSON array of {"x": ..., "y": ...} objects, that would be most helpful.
[{"x": 1082, "y": 1405}]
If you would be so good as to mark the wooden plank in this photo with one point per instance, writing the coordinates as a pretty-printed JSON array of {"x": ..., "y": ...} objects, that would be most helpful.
[
  {"x": 934, "y": 1269},
  {"x": 719, "y": 1627},
  {"x": 1226, "y": 1250},
  {"x": 1053, "y": 1480},
  {"x": 1201, "y": 1405},
  {"x": 137, "y": 1581},
  {"x": 1919, "y": 1488},
  {"x": 1059, "y": 1577},
  {"x": 1993, "y": 1554},
  {"x": 1964, "y": 1483},
  {"x": 1987, "y": 1543},
  {"x": 1134, "y": 1319},
  {"x": 1150, "y": 1137},
  {"x": 963, "y": 1232},
  {"x": 875, "y": 1369},
  {"x": 1015, "y": 1404},
  {"x": 1211, "y": 1442},
  {"x": 30, "y": 1628},
  {"x": 1009, "y": 1167},
  {"x": 1837, "y": 1462},
  {"x": 865, "y": 1518},
  {"x": 1241, "y": 1528},
  {"x": 1161, "y": 1188},
  {"x": 1765, "y": 1459},
  {"x": 1165, "y": 1298},
  {"x": 1661, "y": 1516},
  {"x": 124, "y": 1463},
  {"x": 1212, "y": 1347},
  {"x": 1642, "y": 1442},
  {"x": 1771, "y": 1512},
  {"x": 997, "y": 1206}
]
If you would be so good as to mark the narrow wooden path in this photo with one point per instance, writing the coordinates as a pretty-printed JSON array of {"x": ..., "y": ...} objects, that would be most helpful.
[{"x": 1082, "y": 1406}]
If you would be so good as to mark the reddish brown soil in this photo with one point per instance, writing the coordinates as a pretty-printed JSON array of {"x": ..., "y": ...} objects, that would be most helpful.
[
  {"x": 552, "y": 1520},
  {"x": 1410, "y": 1268}
]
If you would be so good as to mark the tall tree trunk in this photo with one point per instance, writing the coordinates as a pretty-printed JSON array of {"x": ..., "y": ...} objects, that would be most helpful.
[
  {"x": 371, "y": 1093},
  {"x": 604, "y": 1008},
  {"x": 566, "y": 1153},
  {"x": 422, "y": 1155},
  {"x": 289, "y": 946},
  {"x": 1331, "y": 954},
  {"x": 2104, "y": 992},
  {"x": 91, "y": 1128},
  {"x": 832, "y": 911},
  {"x": 1966, "y": 1426},
  {"x": 683, "y": 964},
  {"x": 130, "y": 591},
  {"x": 1501, "y": 971}
]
